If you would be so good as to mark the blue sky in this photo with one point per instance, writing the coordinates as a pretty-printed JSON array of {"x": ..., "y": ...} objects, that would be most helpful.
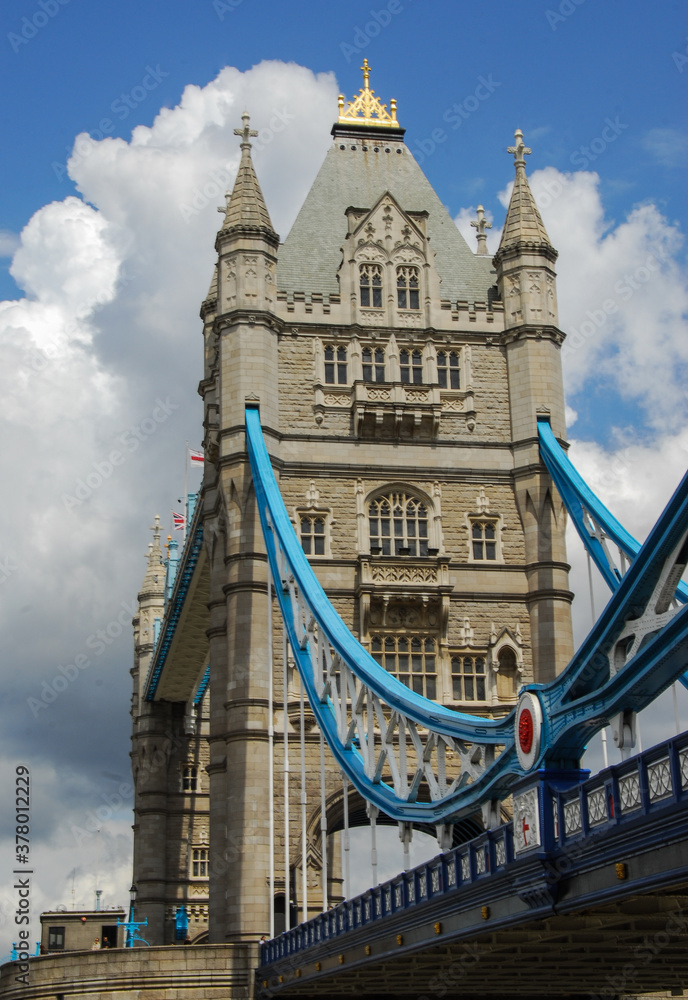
[{"x": 111, "y": 252}]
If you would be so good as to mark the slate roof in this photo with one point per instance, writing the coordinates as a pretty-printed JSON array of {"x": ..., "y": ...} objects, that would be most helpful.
[{"x": 311, "y": 255}]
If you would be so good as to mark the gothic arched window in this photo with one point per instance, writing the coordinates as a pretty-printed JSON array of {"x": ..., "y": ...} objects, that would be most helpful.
[
  {"x": 370, "y": 277},
  {"x": 407, "y": 288},
  {"x": 335, "y": 365},
  {"x": 410, "y": 658},
  {"x": 312, "y": 530},
  {"x": 468, "y": 678},
  {"x": 398, "y": 524},
  {"x": 411, "y": 365},
  {"x": 506, "y": 673},
  {"x": 484, "y": 540},
  {"x": 448, "y": 370},
  {"x": 373, "y": 364}
]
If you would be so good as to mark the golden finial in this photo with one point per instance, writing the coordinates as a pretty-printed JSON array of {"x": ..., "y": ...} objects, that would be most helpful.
[{"x": 367, "y": 109}]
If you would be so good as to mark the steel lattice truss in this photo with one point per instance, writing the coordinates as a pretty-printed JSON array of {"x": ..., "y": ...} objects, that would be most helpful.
[{"x": 420, "y": 762}]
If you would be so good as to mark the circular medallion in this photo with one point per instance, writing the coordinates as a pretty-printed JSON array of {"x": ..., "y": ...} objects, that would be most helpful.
[
  {"x": 525, "y": 730},
  {"x": 528, "y": 730}
]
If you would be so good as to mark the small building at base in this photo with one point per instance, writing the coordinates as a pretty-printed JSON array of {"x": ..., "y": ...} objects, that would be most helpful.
[{"x": 78, "y": 930}]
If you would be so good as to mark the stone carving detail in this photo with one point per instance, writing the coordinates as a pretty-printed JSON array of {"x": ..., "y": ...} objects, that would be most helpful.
[
  {"x": 378, "y": 395},
  {"x": 404, "y": 574},
  {"x": 452, "y": 405},
  {"x": 407, "y": 255},
  {"x": 371, "y": 318},
  {"x": 410, "y": 319}
]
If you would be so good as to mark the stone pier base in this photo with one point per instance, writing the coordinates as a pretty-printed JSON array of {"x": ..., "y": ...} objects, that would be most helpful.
[{"x": 184, "y": 972}]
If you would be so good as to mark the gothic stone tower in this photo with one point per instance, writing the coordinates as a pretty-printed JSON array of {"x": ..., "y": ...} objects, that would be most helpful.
[{"x": 399, "y": 378}]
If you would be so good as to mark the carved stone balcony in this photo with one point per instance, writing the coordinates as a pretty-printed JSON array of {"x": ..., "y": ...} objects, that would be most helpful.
[
  {"x": 422, "y": 583},
  {"x": 395, "y": 409}
]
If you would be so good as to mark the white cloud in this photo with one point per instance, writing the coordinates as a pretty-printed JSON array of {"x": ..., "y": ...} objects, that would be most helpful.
[
  {"x": 8, "y": 243},
  {"x": 667, "y": 145}
]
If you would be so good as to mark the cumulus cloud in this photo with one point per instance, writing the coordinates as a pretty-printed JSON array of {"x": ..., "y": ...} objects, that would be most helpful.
[{"x": 99, "y": 362}]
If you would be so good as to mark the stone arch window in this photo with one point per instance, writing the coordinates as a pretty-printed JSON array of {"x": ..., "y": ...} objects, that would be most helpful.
[
  {"x": 410, "y": 658},
  {"x": 408, "y": 285},
  {"x": 199, "y": 862},
  {"x": 411, "y": 365},
  {"x": 373, "y": 364},
  {"x": 335, "y": 365},
  {"x": 449, "y": 369},
  {"x": 484, "y": 540},
  {"x": 370, "y": 283},
  {"x": 398, "y": 525},
  {"x": 190, "y": 778},
  {"x": 507, "y": 672},
  {"x": 313, "y": 534},
  {"x": 469, "y": 677}
]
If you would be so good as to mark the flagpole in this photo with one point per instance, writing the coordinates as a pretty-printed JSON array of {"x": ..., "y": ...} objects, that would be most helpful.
[{"x": 186, "y": 488}]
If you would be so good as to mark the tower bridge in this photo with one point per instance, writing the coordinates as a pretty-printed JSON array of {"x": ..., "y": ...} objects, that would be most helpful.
[{"x": 370, "y": 622}]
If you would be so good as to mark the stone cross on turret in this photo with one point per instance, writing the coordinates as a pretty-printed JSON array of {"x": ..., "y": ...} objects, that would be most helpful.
[
  {"x": 481, "y": 224},
  {"x": 520, "y": 150},
  {"x": 246, "y": 133}
]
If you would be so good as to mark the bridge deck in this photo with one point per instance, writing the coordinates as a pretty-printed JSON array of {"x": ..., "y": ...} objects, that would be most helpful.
[{"x": 601, "y": 909}]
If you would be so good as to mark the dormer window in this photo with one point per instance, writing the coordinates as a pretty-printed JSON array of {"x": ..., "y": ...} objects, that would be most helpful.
[
  {"x": 407, "y": 288},
  {"x": 411, "y": 365},
  {"x": 448, "y": 370},
  {"x": 335, "y": 365},
  {"x": 373, "y": 364},
  {"x": 371, "y": 286}
]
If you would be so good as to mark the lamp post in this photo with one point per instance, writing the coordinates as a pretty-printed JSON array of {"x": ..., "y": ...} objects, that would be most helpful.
[{"x": 131, "y": 926}]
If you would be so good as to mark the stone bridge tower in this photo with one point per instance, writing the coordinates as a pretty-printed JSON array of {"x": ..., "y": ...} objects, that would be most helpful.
[{"x": 399, "y": 378}]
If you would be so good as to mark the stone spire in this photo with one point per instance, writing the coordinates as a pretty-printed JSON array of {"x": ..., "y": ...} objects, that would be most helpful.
[
  {"x": 523, "y": 227},
  {"x": 481, "y": 224},
  {"x": 246, "y": 211},
  {"x": 154, "y": 579}
]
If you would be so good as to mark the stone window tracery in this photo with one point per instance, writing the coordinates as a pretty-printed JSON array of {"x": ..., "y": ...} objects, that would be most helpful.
[
  {"x": 199, "y": 862},
  {"x": 190, "y": 778},
  {"x": 335, "y": 365},
  {"x": 411, "y": 366},
  {"x": 373, "y": 364},
  {"x": 408, "y": 282},
  {"x": 312, "y": 533},
  {"x": 370, "y": 278},
  {"x": 410, "y": 658},
  {"x": 448, "y": 370},
  {"x": 398, "y": 525},
  {"x": 469, "y": 680},
  {"x": 484, "y": 540}
]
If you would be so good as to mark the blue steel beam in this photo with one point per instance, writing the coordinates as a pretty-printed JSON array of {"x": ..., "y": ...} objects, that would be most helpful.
[{"x": 575, "y": 705}]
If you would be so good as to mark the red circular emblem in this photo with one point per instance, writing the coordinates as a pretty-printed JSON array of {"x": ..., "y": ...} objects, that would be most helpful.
[{"x": 525, "y": 730}]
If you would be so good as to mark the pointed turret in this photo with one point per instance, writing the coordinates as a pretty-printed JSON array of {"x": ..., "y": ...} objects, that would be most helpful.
[
  {"x": 532, "y": 341},
  {"x": 524, "y": 260},
  {"x": 154, "y": 579},
  {"x": 523, "y": 228},
  {"x": 246, "y": 212}
]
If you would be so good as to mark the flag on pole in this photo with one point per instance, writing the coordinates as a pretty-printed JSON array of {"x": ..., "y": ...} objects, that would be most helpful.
[
  {"x": 197, "y": 457},
  {"x": 178, "y": 520}
]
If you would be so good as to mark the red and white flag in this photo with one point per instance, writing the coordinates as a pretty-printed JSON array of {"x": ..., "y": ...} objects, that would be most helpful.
[
  {"x": 197, "y": 457},
  {"x": 178, "y": 520}
]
